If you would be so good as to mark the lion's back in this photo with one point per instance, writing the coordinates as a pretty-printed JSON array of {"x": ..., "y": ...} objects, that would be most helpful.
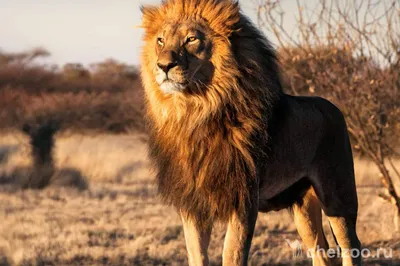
[
  {"x": 311, "y": 113},
  {"x": 307, "y": 131}
]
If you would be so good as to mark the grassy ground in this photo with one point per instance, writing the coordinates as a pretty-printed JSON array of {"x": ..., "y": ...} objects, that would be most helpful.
[{"x": 118, "y": 219}]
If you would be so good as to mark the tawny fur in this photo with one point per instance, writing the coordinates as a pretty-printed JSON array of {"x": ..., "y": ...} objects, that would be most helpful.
[{"x": 205, "y": 143}]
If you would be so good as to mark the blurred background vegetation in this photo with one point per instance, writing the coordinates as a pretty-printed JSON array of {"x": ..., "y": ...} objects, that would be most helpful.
[{"x": 104, "y": 97}]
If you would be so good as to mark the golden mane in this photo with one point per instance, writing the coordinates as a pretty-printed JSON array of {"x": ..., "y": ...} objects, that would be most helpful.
[
  {"x": 221, "y": 16},
  {"x": 208, "y": 145}
]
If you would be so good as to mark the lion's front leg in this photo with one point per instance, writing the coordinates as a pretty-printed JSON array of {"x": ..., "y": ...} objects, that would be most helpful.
[
  {"x": 239, "y": 235},
  {"x": 197, "y": 241}
]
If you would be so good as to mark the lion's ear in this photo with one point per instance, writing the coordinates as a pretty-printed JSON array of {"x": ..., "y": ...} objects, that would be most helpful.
[{"x": 149, "y": 14}]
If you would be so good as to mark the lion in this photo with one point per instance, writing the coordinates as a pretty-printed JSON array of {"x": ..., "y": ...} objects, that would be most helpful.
[{"x": 227, "y": 143}]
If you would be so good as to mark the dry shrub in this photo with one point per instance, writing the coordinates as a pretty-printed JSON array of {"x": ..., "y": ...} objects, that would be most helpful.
[{"x": 106, "y": 98}]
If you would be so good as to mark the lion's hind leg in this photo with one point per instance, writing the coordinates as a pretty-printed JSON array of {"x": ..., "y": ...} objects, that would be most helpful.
[
  {"x": 339, "y": 201},
  {"x": 344, "y": 229},
  {"x": 308, "y": 220}
]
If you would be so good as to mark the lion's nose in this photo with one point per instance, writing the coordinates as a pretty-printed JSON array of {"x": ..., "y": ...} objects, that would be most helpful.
[{"x": 167, "y": 66}]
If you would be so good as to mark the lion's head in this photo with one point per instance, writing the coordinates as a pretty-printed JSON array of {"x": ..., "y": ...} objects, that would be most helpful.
[
  {"x": 186, "y": 46},
  {"x": 211, "y": 82},
  {"x": 182, "y": 56}
]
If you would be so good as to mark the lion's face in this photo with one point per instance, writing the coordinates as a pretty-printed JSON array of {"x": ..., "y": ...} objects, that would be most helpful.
[
  {"x": 187, "y": 48},
  {"x": 183, "y": 52}
]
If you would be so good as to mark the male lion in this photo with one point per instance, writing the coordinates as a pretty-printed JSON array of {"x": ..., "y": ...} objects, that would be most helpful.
[{"x": 228, "y": 143}]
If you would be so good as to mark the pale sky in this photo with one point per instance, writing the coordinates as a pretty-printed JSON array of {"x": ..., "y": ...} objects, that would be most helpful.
[{"x": 83, "y": 31}]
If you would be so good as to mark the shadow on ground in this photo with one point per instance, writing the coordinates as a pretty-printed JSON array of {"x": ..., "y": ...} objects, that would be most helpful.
[{"x": 27, "y": 177}]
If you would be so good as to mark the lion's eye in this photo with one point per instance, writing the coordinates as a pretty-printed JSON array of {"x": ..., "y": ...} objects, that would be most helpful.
[
  {"x": 191, "y": 39},
  {"x": 160, "y": 41}
]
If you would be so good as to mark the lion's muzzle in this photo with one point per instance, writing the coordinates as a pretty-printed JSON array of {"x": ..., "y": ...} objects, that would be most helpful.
[{"x": 169, "y": 74}]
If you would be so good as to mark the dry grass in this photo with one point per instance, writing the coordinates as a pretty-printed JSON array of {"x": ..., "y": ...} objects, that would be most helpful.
[{"x": 118, "y": 219}]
